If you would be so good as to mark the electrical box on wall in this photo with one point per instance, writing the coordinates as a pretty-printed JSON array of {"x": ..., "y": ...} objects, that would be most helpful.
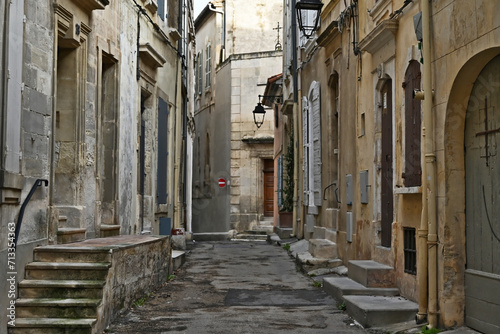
[
  {"x": 349, "y": 189},
  {"x": 363, "y": 185}
]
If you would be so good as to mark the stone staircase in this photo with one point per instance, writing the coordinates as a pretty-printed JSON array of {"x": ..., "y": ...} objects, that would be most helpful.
[
  {"x": 370, "y": 294},
  {"x": 79, "y": 288},
  {"x": 62, "y": 291}
]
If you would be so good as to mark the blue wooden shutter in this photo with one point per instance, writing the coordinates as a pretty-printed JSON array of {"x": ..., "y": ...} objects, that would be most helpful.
[{"x": 162, "y": 192}]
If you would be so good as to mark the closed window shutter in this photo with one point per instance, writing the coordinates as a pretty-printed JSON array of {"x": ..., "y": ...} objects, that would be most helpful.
[
  {"x": 200, "y": 72},
  {"x": 162, "y": 173},
  {"x": 315, "y": 121},
  {"x": 305, "y": 135}
]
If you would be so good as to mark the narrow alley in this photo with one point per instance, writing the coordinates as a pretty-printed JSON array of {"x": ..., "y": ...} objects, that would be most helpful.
[{"x": 236, "y": 287}]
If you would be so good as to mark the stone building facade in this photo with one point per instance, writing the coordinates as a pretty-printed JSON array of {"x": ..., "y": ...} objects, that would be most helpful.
[
  {"x": 236, "y": 54},
  {"x": 403, "y": 181},
  {"x": 95, "y": 113}
]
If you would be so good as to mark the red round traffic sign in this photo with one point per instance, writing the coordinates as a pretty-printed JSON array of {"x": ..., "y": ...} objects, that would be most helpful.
[{"x": 222, "y": 183}]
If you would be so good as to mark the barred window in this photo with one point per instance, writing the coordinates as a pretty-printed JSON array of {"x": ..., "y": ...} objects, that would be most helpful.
[{"x": 410, "y": 251}]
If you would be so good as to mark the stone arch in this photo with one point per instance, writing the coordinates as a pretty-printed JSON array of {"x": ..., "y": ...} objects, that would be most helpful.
[{"x": 451, "y": 193}]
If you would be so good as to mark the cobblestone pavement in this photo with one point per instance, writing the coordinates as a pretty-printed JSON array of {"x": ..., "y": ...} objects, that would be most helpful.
[{"x": 236, "y": 287}]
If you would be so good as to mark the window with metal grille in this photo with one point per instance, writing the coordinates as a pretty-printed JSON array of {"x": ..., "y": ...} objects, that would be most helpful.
[{"x": 410, "y": 251}]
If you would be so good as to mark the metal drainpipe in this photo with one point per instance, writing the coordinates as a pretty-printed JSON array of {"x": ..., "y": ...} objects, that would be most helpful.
[
  {"x": 430, "y": 162},
  {"x": 5, "y": 69},
  {"x": 297, "y": 133}
]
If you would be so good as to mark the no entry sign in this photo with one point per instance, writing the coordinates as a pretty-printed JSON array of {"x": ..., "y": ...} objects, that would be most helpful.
[{"x": 222, "y": 183}]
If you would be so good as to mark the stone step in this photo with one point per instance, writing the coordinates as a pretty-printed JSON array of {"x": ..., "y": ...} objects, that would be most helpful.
[
  {"x": 109, "y": 230},
  {"x": 322, "y": 248},
  {"x": 178, "y": 259},
  {"x": 66, "y": 271},
  {"x": 338, "y": 287},
  {"x": 251, "y": 236},
  {"x": 52, "y": 326},
  {"x": 61, "y": 289},
  {"x": 66, "y": 235},
  {"x": 57, "y": 308},
  {"x": 373, "y": 311},
  {"x": 371, "y": 274},
  {"x": 309, "y": 263},
  {"x": 71, "y": 254}
]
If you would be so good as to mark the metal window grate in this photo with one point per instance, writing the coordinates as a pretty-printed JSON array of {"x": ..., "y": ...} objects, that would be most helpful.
[{"x": 410, "y": 251}]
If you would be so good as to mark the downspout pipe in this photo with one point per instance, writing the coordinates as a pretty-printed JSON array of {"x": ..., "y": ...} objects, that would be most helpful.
[
  {"x": 296, "y": 130},
  {"x": 214, "y": 9},
  {"x": 5, "y": 68},
  {"x": 430, "y": 168}
]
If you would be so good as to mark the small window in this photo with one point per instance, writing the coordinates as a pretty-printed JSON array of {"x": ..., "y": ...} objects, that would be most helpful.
[
  {"x": 208, "y": 65},
  {"x": 410, "y": 251},
  {"x": 162, "y": 9}
]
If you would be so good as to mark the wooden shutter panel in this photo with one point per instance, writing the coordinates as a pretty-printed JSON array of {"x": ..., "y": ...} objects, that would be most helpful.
[
  {"x": 162, "y": 173},
  {"x": 305, "y": 140},
  {"x": 315, "y": 144}
]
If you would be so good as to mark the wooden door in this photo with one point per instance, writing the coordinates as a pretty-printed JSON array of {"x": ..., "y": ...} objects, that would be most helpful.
[
  {"x": 268, "y": 188},
  {"x": 387, "y": 172},
  {"x": 482, "y": 174}
]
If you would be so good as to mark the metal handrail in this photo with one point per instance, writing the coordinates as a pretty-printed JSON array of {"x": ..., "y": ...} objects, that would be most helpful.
[{"x": 38, "y": 183}]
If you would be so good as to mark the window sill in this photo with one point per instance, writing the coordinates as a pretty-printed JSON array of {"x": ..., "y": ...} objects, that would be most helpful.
[{"x": 408, "y": 190}]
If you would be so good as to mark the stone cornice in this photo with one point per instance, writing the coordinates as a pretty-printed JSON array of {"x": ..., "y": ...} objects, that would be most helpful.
[{"x": 378, "y": 37}]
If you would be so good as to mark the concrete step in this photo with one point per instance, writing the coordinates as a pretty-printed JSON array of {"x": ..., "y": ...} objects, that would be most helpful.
[
  {"x": 52, "y": 326},
  {"x": 322, "y": 248},
  {"x": 338, "y": 287},
  {"x": 371, "y": 274},
  {"x": 57, "y": 308},
  {"x": 373, "y": 311},
  {"x": 71, "y": 254},
  {"x": 66, "y": 235},
  {"x": 61, "y": 289},
  {"x": 251, "y": 236},
  {"x": 284, "y": 232},
  {"x": 66, "y": 271},
  {"x": 309, "y": 263},
  {"x": 109, "y": 230},
  {"x": 178, "y": 259}
]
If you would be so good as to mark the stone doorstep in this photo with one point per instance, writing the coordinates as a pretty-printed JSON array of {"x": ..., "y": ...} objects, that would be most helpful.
[
  {"x": 338, "y": 287},
  {"x": 323, "y": 248},
  {"x": 178, "y": 259},
  {"x": 69, "y": 234},
  {"x": 309, "y": 263},
  {"x": 372, "y": 311},
  {"x": 62, "y": 271},
  {"x": 109, "y": 230},
  {"x": 371, "y": 274}
]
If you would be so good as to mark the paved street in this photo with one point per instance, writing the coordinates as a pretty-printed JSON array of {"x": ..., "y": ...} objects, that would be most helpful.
[{"x": 237, "y": 287}]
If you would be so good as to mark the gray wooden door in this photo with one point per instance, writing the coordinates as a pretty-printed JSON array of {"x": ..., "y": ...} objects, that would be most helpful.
[{"x": 482, "y": 170}]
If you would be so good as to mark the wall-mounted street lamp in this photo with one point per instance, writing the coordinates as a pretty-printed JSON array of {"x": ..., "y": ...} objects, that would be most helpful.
[
  {"x": 259, "y": 112},
  {"x": 308, "y": 14}
]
